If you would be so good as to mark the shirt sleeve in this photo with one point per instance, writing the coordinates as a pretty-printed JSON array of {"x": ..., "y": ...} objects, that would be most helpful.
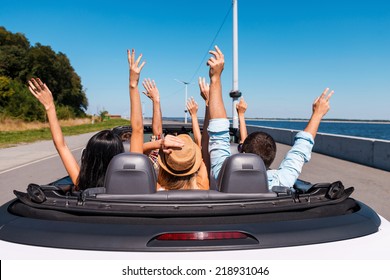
[
  {"x": 291, "y": 166},
  {"x": 219, "y": 144}
]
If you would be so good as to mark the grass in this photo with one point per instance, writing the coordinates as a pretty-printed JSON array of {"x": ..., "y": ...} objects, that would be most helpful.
[{"x": 12, "y": 138}]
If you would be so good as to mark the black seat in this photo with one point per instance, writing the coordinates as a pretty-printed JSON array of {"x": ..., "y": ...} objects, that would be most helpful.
[
  {"x": 243, "y": 173},
  {"x": 130, "y": 173}
]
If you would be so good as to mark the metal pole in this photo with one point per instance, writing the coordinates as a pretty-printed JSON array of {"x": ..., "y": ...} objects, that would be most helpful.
[
  {"x": 185, "y": 105},
  {"x": 235, "y": 93},
  {"x": 185, "y": 101}
]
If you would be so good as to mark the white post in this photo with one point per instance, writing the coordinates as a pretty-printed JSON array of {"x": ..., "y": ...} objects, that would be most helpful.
[
  {"x": 185, "y": 101},
  {"x": 235, "y": 92},
  {"x": 185, "y": 105}
]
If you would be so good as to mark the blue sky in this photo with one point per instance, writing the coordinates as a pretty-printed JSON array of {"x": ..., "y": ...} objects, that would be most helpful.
[{"x": 289, "y": 51}]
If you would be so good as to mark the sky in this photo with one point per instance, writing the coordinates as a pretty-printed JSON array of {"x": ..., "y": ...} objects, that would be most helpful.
[{"x": 289, "y": 51}]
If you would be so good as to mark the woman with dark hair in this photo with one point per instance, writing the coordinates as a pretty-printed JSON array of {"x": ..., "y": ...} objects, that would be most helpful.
[{"x": 101, "y": 148}]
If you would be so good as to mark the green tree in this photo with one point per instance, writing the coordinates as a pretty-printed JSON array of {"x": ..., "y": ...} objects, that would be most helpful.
[
  {"x": 23, "y": 105},
  {"x": 13, "y": 54},
  {"x": 19, "y": 62},
  {"x": 6, "y": 90}
]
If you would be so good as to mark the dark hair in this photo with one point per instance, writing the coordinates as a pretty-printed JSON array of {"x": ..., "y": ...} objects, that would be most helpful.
[
  {"x": 100, "y": 149},
  {"x": 261, "y": 144}
]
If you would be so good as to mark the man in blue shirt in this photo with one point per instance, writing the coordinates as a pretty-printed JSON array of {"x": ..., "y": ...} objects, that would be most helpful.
[{"x": 259, "y": 143}]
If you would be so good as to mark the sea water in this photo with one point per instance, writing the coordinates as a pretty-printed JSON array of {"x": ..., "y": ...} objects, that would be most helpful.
[{"x": 376, "y": 130}]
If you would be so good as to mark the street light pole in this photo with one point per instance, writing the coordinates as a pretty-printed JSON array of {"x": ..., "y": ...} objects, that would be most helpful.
[
  {"x": 235, "y": 93},
  {"x": 185, "y": 100}
]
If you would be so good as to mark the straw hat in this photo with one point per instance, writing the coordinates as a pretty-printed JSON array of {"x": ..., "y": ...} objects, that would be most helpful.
[{"x": 183, "y": 161}]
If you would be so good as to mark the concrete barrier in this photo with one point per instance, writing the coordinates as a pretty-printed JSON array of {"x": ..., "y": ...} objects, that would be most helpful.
[{"x": 366, "y": 151}]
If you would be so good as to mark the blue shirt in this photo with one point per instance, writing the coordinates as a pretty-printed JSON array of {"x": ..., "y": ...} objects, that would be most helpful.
[{"x": 288, "y": 171}]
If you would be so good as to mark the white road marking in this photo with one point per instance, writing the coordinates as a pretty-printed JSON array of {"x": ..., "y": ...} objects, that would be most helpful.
[{"x": 36, "y": 161}]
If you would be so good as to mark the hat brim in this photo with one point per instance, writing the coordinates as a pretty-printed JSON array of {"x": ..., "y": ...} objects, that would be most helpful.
[{"x": 195, "y": 167}]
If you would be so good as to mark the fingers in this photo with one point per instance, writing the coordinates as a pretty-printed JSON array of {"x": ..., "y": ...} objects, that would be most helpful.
[
  {"x": 37, "y": 85},
  {"x": 329, "y": 95},
  {"x": 218, "y": 50},
  {"x": 133, "y": 62},
  {"x": 192, "y": 106},
  {"x": 129, "y": 56},
  {"x": 142, "y": 65},
  {"x": 217, "y": 53},
  {"x": 32, "y": 91},
  {"x": 138, "y": 59},
  {"x": 241, "y": 106},
  {"x": 202, "y": 83},
  {"x": 325, "y": 95},
  {"x": 204, "y": 88},
  {"x": 151, "y": 89},
  {"x": 171, "y": 141},
  {"x": 149, "y": 84}
]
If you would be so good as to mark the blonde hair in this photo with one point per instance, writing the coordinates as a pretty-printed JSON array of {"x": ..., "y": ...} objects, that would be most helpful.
[{"x": 172, "y": 182}]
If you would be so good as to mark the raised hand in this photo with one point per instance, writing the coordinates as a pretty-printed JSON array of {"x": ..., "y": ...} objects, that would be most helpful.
[
  {"x": 170, "y": 143},
  {"x": 216, "y": 62},
  {"x": 135, "y": 67},
  {"x": 204, "y": 89},
  {"x": 41, "y": 92},
  {"x": 321, "y": 104},
  {"x": 137, "y": 136},
  {"x": 151, "y": 90},
  {"x": 241, "y": 106},
  {"x": 192, "y": 106},
  {"x": 320, "y": 108},
  {"x": 44, "y": 95}
]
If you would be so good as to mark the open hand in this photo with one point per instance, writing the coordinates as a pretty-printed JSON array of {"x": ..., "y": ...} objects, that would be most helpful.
[
  {"x": 192, "y": 106},
  {"x": 216, "y": 62},
  {"x": 151, "y": 90},
  {"x": 204, "y": 89},
  {"x": 41, "y": 92},
  {"x": 135, "y": 67}
]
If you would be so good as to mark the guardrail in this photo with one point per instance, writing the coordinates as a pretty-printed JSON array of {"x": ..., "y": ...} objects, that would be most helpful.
[{"x": 366, "y": 151}]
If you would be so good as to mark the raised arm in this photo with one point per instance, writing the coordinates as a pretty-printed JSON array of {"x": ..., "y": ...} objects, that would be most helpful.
[
  {"x": 137, "y": 135},
  {"x": 154, "y": 95},
  {"x": 216, "y": 105},
  {"x": 218, "y": 129},
  {"x": 241, "y": 109},
  {"x": 320, "y": 108},
  {"x": 291, "y": 166},
  {"x": 204, "y": 92},
  {"x": 44, "y": 95},
  {"x": 192, "y": 108}
]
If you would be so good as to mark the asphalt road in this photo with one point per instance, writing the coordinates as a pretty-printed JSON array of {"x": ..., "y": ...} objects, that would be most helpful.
[
  {"x": 39, "y": 163},
  {"x": 34, "y": 163}
]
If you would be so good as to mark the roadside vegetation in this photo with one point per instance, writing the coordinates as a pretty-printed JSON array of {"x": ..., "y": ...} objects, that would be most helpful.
[
  {"x": 13, "y": 137},
  {"x": 22, "y": 117}
]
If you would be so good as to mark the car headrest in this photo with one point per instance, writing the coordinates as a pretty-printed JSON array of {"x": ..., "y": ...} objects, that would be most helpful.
[
  {"x": 243, "y": 173},
  {"x": 130, "y": 173}
]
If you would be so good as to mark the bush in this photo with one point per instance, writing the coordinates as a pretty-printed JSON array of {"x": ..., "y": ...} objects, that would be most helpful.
[{"x": 65, "y": 113}]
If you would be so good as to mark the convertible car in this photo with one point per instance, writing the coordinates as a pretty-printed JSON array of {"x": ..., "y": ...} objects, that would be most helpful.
[{"x": 128, "y": 218}]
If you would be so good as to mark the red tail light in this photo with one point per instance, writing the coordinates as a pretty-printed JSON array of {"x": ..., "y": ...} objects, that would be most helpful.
[{"x": 201, "y": 235}]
